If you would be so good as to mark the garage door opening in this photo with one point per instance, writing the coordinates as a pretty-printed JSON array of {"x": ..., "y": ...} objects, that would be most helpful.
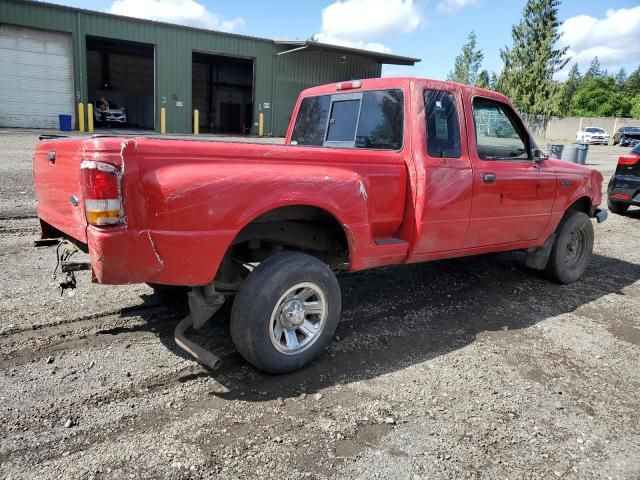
[
  {"x": 123, "y": 73},
  {"x": 222, "y": 92}
]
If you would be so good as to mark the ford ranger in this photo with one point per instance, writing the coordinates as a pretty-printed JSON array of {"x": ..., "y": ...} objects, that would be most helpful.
[{"x": 372, "y": 172}]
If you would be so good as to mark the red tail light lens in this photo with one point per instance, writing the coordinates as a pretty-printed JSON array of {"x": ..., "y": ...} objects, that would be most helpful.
[
  {"x": 101, "y": 193},
  {"x": 628, "y": 160}
]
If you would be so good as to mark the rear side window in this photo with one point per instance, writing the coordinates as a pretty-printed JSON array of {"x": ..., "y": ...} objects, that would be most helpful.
[
  {"x": 443, "y": 130},
  {"x": 372, "y": 119},
  {"x": 312, "y": 120},
  {"x": 343, "y": 121},
  {"x": 381, "y": 120}
]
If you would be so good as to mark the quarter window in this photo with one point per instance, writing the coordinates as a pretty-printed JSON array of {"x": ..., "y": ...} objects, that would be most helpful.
[
  {"x": 499, "y": 135},
  {"x": 381, "y": 120},
  {"x": 443, "y": 130},
  {"x": 312, "y": 120}
]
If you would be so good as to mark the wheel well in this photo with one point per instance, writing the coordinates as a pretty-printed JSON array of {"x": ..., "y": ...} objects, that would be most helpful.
[
  {"x": 307, "y": 229},
  {"x": 583, "y": 204}
]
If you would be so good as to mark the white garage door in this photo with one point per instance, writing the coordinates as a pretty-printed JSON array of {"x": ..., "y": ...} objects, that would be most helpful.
[{"x": 36, "y": 77}]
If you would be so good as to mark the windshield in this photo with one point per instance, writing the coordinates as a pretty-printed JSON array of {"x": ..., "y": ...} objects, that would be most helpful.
[
  {"x": 594, "y": 130},
  {"x": 631, "y": 129}
]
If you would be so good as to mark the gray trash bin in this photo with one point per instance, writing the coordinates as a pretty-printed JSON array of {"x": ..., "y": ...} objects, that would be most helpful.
[
  {"x": 582, "y": 149},
  {"x": 554, "y": 150},
  {"x": 570, "y": 153}
]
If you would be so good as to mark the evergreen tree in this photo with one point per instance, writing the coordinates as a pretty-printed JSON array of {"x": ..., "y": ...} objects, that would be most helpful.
[
  {"x": 495, "y": 80},
  {"x": 621, "y": 77},
  {"x": 595, "y": 70},
  {"x": 532, "y": 61},
  {"x": 483, "y": 80},
  {"x": 569, "y": 89},
  {"x": 467, "y": 63},
  {"x": 632, "y": 85}
]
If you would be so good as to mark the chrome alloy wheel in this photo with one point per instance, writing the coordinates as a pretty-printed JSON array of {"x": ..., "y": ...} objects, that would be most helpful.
[{"x": 298, "y": 318}]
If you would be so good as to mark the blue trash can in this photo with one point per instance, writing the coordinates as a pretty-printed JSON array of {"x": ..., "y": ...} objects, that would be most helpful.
[{"x": 65, "y": 123}]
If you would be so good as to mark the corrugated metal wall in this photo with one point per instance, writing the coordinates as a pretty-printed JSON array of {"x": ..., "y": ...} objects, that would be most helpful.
[
  {"x": 303, "y": 69},
  {"x": 173, "y": 59}
]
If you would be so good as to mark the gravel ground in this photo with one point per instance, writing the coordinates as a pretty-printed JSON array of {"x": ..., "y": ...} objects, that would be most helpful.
[{"x": 470, "y": 368}]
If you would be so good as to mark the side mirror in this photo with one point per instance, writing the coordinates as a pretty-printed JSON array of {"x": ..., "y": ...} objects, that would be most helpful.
[{"x": 539, "y": 156}]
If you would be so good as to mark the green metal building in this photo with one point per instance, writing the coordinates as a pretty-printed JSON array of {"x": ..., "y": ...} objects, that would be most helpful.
[{"x": 52, "y": 57}]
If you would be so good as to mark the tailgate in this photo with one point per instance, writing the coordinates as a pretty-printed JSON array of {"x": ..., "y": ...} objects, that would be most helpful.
[{"x": 56, "y": 174}]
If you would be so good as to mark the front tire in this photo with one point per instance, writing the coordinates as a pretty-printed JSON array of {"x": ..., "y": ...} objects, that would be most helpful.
[
  {"x": 285, "y": 312},
  {"x": 618, "y": 208},
  {"x": 572, "y": 250}
]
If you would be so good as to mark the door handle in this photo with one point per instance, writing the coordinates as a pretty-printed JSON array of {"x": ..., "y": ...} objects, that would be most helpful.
[{"x": 489, "y": 177}]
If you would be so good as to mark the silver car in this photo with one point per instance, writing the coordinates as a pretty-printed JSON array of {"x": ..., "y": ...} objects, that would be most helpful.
[{"x": 116, "y": 113}]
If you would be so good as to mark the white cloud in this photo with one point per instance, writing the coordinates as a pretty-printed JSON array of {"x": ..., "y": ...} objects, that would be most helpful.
[
  {"x": 614, "y": 39},
  {"x": 364, "y": 23},
  {"x": 454, "y": 6},
  {"x": 183, "y": 12}
]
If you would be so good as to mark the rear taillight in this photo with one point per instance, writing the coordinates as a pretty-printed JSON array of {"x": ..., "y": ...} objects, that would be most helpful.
[
  {"x": 628, "y": 160},
  {"x": 101, "y": 193}
]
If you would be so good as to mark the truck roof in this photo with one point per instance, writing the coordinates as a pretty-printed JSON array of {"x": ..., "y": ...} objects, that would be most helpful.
[{"x": 396, "y": 82}]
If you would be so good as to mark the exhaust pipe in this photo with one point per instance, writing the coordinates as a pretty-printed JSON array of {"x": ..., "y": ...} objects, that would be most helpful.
[
  {"x": 202, "y": 355},
  {"x": 203, "y": 303}
]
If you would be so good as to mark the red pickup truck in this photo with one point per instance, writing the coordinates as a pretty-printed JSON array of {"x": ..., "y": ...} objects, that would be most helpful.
[{"x": 373, "y": 172}]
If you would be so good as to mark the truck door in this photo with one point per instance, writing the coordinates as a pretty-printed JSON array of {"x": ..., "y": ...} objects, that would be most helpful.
[
  {"x": 512, "y": 195},
  {"x": 444, "y": 176}
]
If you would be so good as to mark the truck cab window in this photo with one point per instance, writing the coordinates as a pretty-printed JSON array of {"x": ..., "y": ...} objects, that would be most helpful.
[
  {"x": 443, "y": 131},
  {"x": 311, "y": 121},
  {"x": 343, "y": 121},
  {"x": 371, "y": 119},
  {"x": 499, "y": 134},
  {"x": 381, "y": 120}
]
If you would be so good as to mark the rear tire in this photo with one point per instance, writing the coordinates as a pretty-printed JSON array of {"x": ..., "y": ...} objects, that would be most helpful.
[
  {"x": 617, "y": 207},
  {"x": 285, "y": 312},
  {"x": 572, "y": 250}
]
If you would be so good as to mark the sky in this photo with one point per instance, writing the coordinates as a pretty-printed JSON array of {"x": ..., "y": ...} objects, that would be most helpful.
[{"x": 433, "y": 30}]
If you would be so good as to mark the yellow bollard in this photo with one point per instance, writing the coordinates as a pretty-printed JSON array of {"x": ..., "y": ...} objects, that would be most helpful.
[
  {"x": 163, "y": 120},
  {"x": 81, "y": 117},
  {"x": 196, "y": 122},
  {"x": 261, "y": 124},
  {"x": 90, "y": 117}
]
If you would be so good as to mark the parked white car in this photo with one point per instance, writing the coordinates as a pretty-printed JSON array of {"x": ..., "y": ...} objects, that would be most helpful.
[
  {"x": 116, "y": 114},
  {"x": 593, "y": 135}
]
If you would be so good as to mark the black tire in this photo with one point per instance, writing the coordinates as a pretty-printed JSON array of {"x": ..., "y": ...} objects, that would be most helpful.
[
  {"x": 617, "y": 207},
  {"x": 572, "y": 250},
  {"x": 259, "y": 296}
]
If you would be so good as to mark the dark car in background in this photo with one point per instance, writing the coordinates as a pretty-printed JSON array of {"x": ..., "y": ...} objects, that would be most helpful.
[
  {"x": 627, "y": 136},
  {"x": 624, "y": 186}
]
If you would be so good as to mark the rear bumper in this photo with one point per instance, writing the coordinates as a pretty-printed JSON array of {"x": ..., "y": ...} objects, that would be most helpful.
[
  {"x": 122, "y": 256},
  {"x": 625, "y": 189}
]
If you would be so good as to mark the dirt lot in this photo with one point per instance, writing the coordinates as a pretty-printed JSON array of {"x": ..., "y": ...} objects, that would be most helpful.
[{"x": 472, "y": 368}]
